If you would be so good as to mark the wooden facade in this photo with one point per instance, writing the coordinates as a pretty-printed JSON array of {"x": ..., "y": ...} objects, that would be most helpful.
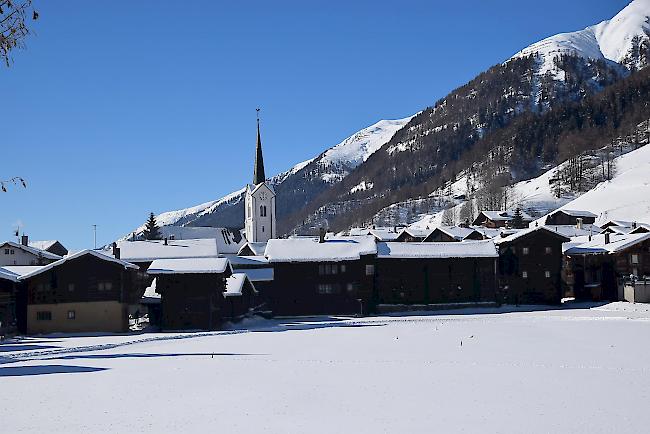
[
  {"x": 7, "y": 306},
  {"x": 569, "y": 218},
  {"x": 315, "y": 288},
  {"x": 530, "y": 268},
  {"x": 81, "y": 294},
  {"x": 435, "y": 280},
  {"x": 192, "y": 301},
  {"x": 441, "y": 236}
]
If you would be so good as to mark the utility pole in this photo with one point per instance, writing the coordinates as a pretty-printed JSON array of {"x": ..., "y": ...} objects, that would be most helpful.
[{"x": 95, "y": 236}]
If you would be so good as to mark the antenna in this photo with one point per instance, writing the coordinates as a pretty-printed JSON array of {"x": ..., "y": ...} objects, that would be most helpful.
[{"x": 95, "y": 236}]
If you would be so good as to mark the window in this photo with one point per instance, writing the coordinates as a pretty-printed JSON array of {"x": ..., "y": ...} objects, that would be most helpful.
[
  {"x": 547, "y": 274},
  {"x": 262, "y": 210},
  {"x": 329, "y": 288},
  {"x": 262, "y": 229},
  {"x": 44, "y": 316},
  {"x": 525, "y": 250},
  {"x": 524, "y": 274},
  {"x": 635, "y": 259},
  {"x": 548, "y": 250},
  {"x": 370, "y": 270},
  {"x": 71, "y": 314},
  {"x": 105, "y": 286},
  {"x": 6, "y": 251},
  {"x": 328, "y": 269},
  {"x": 71, "y": 287},
  {"x": 342, "y": 268}
]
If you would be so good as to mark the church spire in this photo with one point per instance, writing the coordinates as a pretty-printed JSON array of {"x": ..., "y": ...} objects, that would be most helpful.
[{"x": 258, "y": 173}]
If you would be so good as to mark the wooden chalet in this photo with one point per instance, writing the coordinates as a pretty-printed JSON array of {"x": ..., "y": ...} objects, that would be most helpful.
[
  {"x": 530, "y": 266},
  {"x": 423, "y": 273},
  {"x": 412, "y": 235},
  {"x": 596, "y": 268},
  {"x": 570, "y": 217},
  {"x": 8, "y": 282},
  {"x": 321, "y": 276},
  {"x": 84, "y": 292},
  {"x": 192, "y": 292},
  {"x": 447, "y": 234},
  {"x": 499, "y": 219},
  {"x": 240, "y": 296}
]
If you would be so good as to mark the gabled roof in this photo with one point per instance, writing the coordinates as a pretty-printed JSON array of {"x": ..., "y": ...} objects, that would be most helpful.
[
  {"x": 380, "y": 233},
  {"x": 525, "y": 232},
  {"x": 466, "y": 249},
  {"x": 618, "y": 223},
  {"x": 617, "y": 243},
  {"x": 245, "y": 261},
  {"x": 95, "y": 253},
  {"x": 505, "y": 215},
  {"x": 32, "y": 250},
  {"x": 8, "y": 275},
  {"x": 146, "y": 251},
  {"x": 415, "y": 232},
  {"x": 43, "y": 245},
  {"x": 574, "y": 213},
  {"x": 256, "y": 248},
  {"x": 310, "y": 250},
  {"x": 189, "y": 266},
  {"x": 457, "y": 232},
  {"x": 571, "y": 231},
  {"x": 235, "y": 285}
]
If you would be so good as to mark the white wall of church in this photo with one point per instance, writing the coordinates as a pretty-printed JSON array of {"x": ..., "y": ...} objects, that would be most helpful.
[{"x": 260, "y": 223}]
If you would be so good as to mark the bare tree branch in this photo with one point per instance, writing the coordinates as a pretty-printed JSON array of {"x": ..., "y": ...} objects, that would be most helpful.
[
  {"x": 16, "y": 180},
  {"x": 14, "y": 15}
]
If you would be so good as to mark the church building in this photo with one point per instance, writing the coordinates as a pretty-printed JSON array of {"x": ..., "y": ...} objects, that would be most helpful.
[{"x": 260, "y": 201}]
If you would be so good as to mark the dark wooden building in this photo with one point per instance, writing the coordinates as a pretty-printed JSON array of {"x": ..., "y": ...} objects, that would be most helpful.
[
  {"x": 52, "y": 246},
  {"x": 595, "y": 269},
  {"x": 453, "y": 234},
  {"x": 317, "y": 276},
  {"x": 192, "y": 292},
  {"x": 412, "y": 235},
  {"x": 8, "y": 282},
  {"x": 427, "y": 273},
  {"x": 84, "y": 292},
  {"x": 570, "y": 217},
  {"x": 499, "y": 219},
  {"x": 530, "y": 267},
  {"x": 240, "y": 296}
]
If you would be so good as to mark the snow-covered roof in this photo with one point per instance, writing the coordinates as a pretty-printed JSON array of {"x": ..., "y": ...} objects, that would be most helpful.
[
  {"x": 42, "y": 245},
  {"x": 29, "y": 249},
  {"x": 258, "y": 274},
  {"x": 236, "y": 260},
  {"x": 21, "y": 270},
  {"x": 617, "y": 243},
  {"x": 416, "y": 232},
  {"x": 496, "y": 216},
  {"x": 618, "y": 223},
  {"x": 235, "y": 285},
  {"x": 8, "y": 275},
  {"x": 189, "y": 266},
  {"x": 488, "y": 232},
  {"x": 256, "y": 248},
  {"x": 457, "y": 232},
  {"x": 571, "y": 231},
  {"x": 310, "y": 250},
  {"x": 145, "y": 251},
  {"x": 466, "y": 249},
  {"x": 525, "y": 232},
  {"x": 575, "y": 213},
  {"x": 150, "y": 295},
  {"x": 95, "y": 253},
  {"x": 380, "y": 233}
]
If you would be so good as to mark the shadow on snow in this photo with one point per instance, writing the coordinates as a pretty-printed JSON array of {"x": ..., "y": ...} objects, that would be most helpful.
[{"x": 23, "y": 371}]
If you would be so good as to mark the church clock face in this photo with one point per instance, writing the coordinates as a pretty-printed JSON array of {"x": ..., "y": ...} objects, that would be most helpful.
[{"x": 263, "y": 196}]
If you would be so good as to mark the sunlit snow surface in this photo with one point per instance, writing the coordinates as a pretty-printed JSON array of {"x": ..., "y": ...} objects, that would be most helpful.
[{"x": 572, "y": 370}]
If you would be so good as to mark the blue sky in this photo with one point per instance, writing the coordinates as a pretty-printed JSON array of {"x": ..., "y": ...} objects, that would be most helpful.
[{"x": 118, "y": 108}]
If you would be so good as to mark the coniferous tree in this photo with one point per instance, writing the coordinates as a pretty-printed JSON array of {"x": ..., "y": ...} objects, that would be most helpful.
[
  {"x": 151, "y": 229},
  {"x": 518, "y": 219}
]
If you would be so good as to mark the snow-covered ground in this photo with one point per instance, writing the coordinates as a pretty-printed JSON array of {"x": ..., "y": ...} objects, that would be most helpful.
[{"x": 576, "y": 370}]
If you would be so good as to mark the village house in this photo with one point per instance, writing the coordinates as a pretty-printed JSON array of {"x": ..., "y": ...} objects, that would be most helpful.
[
  {"x": 321, "y": 276},
  {"x": 424, "y": 273},
  {"x": 570, "y": 217},
  {"x": 380, "y": 233},
  {"x": 499, "y": 219},
  {"x": 12, "y": 253},
  {"x": 453, "y": 234},
  {"x": 52, "y": 246},
  {"x": 595, "y": 268},
  {"x": 84, "y": 292},
  {"x": 412, "y": 235},
  {"x": 240, "y": 295},
  {"x": 530, "y": 266},
  {"x": 8, "y": 283}
]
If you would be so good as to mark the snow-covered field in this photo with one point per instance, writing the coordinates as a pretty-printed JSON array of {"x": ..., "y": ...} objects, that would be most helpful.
[{"x": 569, "y": 370}]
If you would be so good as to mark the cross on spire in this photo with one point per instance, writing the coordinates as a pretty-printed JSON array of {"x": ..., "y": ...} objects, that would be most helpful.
[{"x": 258, "y": 172}]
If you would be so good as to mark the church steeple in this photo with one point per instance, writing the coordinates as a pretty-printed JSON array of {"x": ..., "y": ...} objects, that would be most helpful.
[{"x": 258, "y": 173}]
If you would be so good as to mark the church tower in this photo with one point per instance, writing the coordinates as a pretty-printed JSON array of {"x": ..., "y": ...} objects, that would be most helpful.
[{"x": 260, "y": 200}]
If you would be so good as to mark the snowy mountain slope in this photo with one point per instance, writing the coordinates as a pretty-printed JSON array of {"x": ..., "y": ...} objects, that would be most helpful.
[
  {"x": 626, "y": 196},
  {"x": 622, "y": 40},
  {"x": 328, "y": 168}
]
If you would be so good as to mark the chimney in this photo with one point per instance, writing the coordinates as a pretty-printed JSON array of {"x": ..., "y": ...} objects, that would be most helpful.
[
  {"x": 321, "y": 235},
  {"x": 165, "y": 241},
  {"x": 633, "y": 225},
  {"x": 606, "y": 237},
  {"x": 579, "y": 223},
  {"x": 116, "y": 251},
  {"x": 24, "y": 240}
]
